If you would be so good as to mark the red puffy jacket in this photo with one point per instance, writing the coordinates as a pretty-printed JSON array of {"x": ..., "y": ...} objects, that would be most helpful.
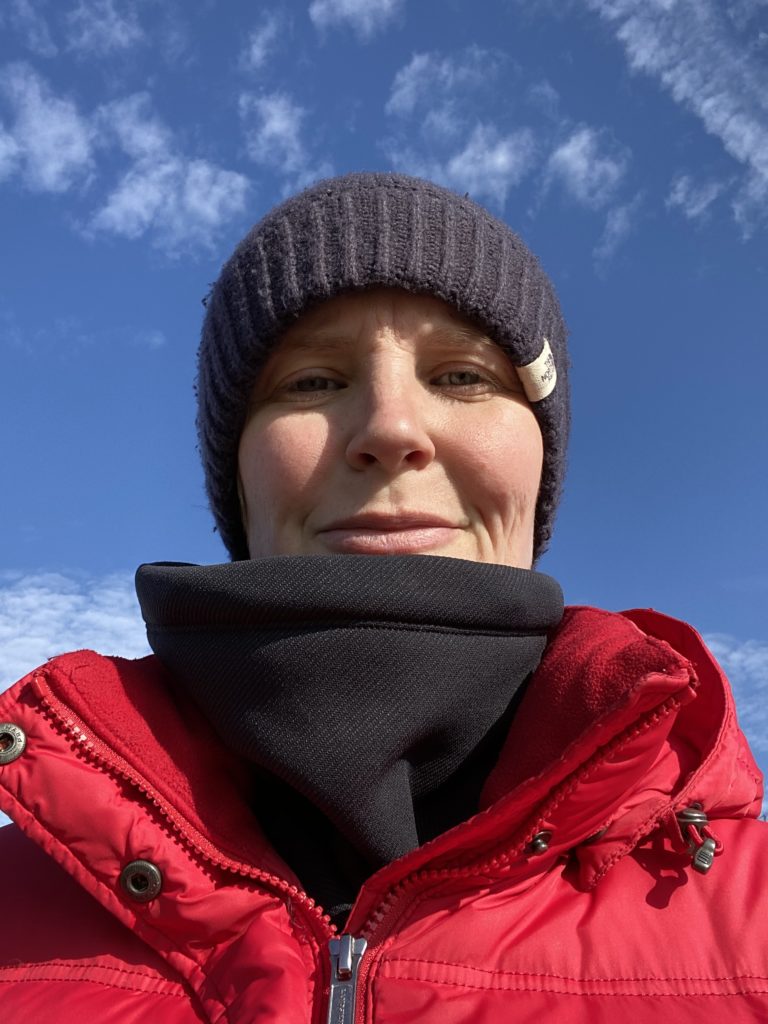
[{"x": 137, "y": 887}]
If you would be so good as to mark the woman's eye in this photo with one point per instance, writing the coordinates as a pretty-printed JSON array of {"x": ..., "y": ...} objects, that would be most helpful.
[
  {"x": 462, "y": 378},
  {"x": 313, "y": 384}
]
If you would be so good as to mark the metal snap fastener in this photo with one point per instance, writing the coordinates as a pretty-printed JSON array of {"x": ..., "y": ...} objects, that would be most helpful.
[
  {"x": 13, "y": 740},
  {"x": 540, "y": 843},
  {"x": 141, "y": 880}
]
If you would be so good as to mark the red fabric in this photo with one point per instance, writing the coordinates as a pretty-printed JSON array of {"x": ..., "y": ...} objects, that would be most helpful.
[{"x": 627, "y": 720}]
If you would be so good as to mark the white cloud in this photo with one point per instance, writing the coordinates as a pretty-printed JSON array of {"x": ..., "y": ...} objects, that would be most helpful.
[
  {"x": 9, "y": 154},
  {"x": 46, "y": 614},
  {"x": 261, "y": 42},
  {"x": 441, "y": 97},
  {"x": 180, "y": 202},
  {"x": 690, "y": 47},
  {"x": 587, "y": 167},
  {"x": 742, "y": 12},
  {"x": 745, "y": 662},
  {"x": 51, "y": 142},
  {"x": 137, "y": 129},
  {"x": 429, "y": 76},
  {"x": 436, "y": 99},
  {"x": 60, "y": 335},
  {"x": 273, "y": 125},
  {"x": 618, "y": 225},
  {"x": 365, "y": 17},
  {"x": 98, "y": 28},
  {"x": 693, "y": 200},
  {"x": 486, "y": 166},
  {"x": 30, "y": 23},
  {"x": 545, "y": 98},
  {"x": 490, "y": 164},
  {"x": 151, "y": 339}
]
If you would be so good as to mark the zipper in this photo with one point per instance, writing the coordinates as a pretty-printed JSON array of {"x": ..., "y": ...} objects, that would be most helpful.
[{"x": 346, "y": 953}]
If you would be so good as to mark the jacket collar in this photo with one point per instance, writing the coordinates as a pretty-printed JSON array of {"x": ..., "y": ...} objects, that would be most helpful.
[{"x": 627, "y": 716}]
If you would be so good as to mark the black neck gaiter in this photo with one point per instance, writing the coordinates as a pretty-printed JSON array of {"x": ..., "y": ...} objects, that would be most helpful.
[{"x": 372, "y": 694}]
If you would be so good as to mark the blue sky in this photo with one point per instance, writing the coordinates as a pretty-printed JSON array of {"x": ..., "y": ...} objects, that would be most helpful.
[{"x": 625, "y": 140}]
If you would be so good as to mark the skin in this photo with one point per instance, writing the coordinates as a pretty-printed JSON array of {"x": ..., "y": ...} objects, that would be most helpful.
[{"x": 391, "y": 410}]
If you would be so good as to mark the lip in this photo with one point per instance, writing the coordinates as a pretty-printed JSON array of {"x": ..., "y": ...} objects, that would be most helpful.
[
  {"x": 381, "y": 521},
  {"x": 382, "y": 533}
]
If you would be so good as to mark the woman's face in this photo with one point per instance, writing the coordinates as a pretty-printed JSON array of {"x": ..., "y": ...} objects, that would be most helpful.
[{"x": 385, "y": 423}]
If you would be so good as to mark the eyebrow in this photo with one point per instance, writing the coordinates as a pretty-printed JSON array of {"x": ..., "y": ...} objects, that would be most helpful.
[{"x": 328, "y": 340}]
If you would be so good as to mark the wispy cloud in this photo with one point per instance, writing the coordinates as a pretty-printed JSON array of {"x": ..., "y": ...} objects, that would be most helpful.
[
  {"x": 618, "y": 225},
  {"x": 365, "y": 17},
  {"x": 48, "y": 140},
  {"x": 178, "y": 202},
  {"x": 743, "y": 12},
  {"x": 261, "y": 43},
  {"x": 545, "y": 98},
  {"x": 101, "y": 27},
  {"x": 58, "y": 336},
  {"x": 434, "y": 104},
  {"x": 439, "y": 98},
  {"x": 45, "y": 614},
  {"x": 588, "y": 167},
  {"x": 273, "y": 128},
  {"x": 430, "y": 79},
  {"x": 9, "y": 154},
  {"x": 692, "y": 199},
  {"x": 30, "y": 24},
  {"x": 745, "y": 662},
  {"x": 487, "y": 165},
  {"x": 690, "y": 46}
]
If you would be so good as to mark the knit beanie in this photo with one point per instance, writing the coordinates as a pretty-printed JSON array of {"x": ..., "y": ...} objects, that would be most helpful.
[{"x": 365, "y": 231}]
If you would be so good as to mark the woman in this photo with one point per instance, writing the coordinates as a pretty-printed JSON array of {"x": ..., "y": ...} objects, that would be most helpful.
[{"x": 348, "y": 787}]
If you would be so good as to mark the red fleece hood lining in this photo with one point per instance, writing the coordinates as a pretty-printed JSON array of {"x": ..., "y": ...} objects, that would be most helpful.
[
  {"x": 131, "y": 708},
  {"x": 615, "y": 664}
]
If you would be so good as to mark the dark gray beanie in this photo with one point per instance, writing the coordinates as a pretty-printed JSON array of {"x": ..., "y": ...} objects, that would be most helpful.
[{"x": 363, "y": 231}]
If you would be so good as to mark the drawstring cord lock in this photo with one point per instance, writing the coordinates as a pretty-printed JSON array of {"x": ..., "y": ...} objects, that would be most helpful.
[{"x": 691, "y": 834}]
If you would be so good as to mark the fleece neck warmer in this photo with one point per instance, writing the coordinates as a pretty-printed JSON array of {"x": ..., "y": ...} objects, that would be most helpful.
[{"x": 371, "y": 694}]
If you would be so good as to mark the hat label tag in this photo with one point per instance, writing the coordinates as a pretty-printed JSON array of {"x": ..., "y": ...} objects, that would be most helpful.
[{"x": 539, "y": 377}]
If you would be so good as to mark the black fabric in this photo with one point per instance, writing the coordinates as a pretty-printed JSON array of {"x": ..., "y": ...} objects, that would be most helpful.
[{"x": 371, "y": 694}]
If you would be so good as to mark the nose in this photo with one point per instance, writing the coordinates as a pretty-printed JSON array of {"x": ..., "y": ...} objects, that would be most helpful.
[{"x": 391, "y": 429}]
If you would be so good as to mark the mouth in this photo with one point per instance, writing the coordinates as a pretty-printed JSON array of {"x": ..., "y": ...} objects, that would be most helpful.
[{"x": 382, "y": 534}]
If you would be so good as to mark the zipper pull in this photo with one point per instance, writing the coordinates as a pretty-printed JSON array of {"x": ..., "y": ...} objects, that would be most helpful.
[{"x": 346, "y": 953}]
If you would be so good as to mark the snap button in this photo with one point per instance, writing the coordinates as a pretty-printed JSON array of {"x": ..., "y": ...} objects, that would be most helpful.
[
  {"x": 13, "y": 740},
  {"x": 141, "y": 880},
  {"x": 540, "y": 843}
]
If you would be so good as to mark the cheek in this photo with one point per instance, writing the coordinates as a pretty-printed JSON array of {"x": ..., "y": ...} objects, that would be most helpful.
[
  {"x": 502, "y": 463},
  {"x": 278, "y": 460}
]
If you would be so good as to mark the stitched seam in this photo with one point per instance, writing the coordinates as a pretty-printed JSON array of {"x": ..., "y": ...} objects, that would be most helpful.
[
  {"x": 568, "y": 977},
  {"x": 600, "y": 995},
  {"x": 91, "y": 981},
  {"x": 748, "y": 769},
  {"x": 17, "y": 965}
]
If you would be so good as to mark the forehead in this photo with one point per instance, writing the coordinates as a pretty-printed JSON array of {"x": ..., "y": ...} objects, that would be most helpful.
[{"x": 343, "y": 317}]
